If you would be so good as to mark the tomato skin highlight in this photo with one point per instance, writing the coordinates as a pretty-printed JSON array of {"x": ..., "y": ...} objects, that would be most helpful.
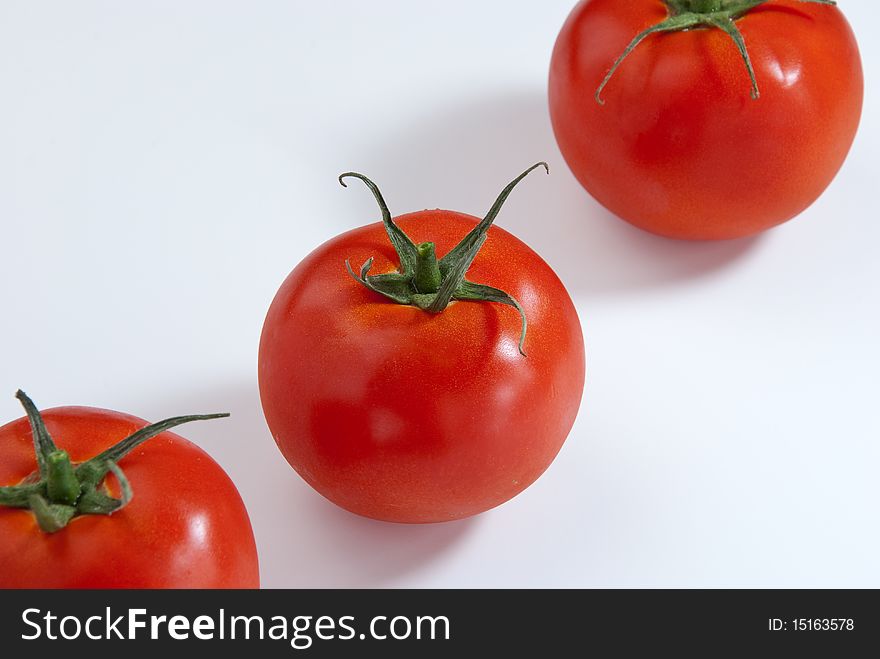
[
  {"x": 402, "y": 415},
  {"x": 680, "y": 148},
  {"x": 186, "y": 526}
]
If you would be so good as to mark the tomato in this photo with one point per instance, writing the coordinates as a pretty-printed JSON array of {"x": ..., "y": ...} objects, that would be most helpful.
[
  {"x": 184, "y": 527},
  {"x": 400, "y": 414},
  {"x": 680, "y": 147}
]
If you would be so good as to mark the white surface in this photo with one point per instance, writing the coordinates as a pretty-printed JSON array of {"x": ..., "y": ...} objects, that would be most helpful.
[{"x": 163, "y": 165}]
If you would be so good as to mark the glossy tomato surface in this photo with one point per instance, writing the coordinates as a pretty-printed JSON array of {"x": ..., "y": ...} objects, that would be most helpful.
[
  {"x": 186, "y": 526},
  {"x": 401, "y": 415},
  {"x": 680, "y": 148}
]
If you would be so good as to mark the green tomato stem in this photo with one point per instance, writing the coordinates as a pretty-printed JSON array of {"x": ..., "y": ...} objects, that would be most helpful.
[
  {"x": 60, "y": 491},
  {"x": 426, "y": 278},
  {"x": 62, "y": 485},
  {"x": 423, "y": 281},
  {"x": 689, "y": 14},
  {"x": 704, "y": 6}
]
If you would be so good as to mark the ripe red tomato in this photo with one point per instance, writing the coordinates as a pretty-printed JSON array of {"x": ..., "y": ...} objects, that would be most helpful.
[
  {"x": 403, "y": 415},
  {"x": 680, "y": 147},
  {"x": 185, "y": 526}
]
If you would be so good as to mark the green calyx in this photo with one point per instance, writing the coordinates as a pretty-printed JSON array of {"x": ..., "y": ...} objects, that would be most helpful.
[
  {"x": 691, "y": 14},
  {"x": 426, "y": 282},
  {"x": 60, "y": 491}
]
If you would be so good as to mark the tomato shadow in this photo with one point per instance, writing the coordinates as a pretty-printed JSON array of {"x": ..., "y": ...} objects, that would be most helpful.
[
  {"x": 304, "y": 541},
  {"x": 460, "y": 156}
]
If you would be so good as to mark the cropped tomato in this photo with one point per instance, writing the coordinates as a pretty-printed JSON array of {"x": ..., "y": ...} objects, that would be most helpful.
[
  {"x": 178, "y": 521},
  {"x": 400, "y": 408},
  {"x": 680, "y": 141}
]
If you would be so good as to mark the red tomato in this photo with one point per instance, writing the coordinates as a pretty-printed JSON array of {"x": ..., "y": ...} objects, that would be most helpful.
[
  {"x": 185, "y": 527},
  {"x": 680, "y": 148},
  {"x": 402, "y": 415}
]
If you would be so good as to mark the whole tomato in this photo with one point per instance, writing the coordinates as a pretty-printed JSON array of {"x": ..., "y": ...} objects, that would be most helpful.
[
  {"x": 705, "y": 119},
  {"x": 105, "y": 508},
  {"x": 408, "y": 396}
]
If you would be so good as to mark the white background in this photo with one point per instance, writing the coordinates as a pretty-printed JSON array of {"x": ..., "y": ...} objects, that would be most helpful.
[{"x": 165, "y": 164}]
